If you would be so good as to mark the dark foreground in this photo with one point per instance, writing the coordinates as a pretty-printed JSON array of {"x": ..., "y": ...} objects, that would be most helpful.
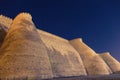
[
  {"x": 105, "y": 77},
  {"x": 110, "y": 77}
]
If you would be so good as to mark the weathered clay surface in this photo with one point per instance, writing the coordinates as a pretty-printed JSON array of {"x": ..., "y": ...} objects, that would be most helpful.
[
  {"x": 2, "y": 34},
  {"x": 111, "y": 62},
  {"x": 30, "y": 53},
  {"x": 4, "y": 23},
  {"x": 23, "y": 54},
  {"x": 93, "y": 63},
  {"x": 65, "y": 60}
]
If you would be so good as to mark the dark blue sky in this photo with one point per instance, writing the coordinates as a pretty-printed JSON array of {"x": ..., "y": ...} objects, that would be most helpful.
[{"x": 97, "y": 22}]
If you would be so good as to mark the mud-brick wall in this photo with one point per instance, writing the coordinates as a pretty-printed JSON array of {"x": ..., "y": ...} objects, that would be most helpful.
[
  {"x": 23, "y": 54},
  {"x": 111, "y": 62},
  {"x": 94, "y": 64},
  {"x": 65, "y": 60}
]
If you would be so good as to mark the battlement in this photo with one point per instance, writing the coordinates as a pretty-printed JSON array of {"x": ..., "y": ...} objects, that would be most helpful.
[{"x": 6, "y": 21}]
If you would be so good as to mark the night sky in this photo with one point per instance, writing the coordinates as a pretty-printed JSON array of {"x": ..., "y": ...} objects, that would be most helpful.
[{"x": 97, "y": 22}]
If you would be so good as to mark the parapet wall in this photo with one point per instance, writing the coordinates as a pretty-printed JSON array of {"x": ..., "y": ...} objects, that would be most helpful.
[{"x": 5, "y": 22}]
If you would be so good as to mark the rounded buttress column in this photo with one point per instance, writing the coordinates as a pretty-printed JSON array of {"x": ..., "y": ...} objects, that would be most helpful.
[
  {"x": 111, "y": 62},
  {"x": 93, "y": 63}
]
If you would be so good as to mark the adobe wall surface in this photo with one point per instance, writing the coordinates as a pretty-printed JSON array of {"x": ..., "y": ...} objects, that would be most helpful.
[
  {"x": 69, "y": 62},
  {"x": 44, "y": 55},
  {"x": 65, "y": 60},
  {"x": 2, "y": 34},
  {"x": 111, "y": 62},
  {"x": 4, "y": 23},
  {"x": 23, "y": 52},
  {"x": 93, "y": 63}
]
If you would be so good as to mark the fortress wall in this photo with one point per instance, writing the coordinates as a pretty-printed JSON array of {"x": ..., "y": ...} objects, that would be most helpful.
[
  {"x": 111, "y": 62},
  {"x": 23, "y": 53},
  {"x": 93, "y": 63},
  {"x": 2, "y": 34},
  {"x": 110, "y": 71},
  {"x": 4, "y": 23},
  {"x": 77, "y": 67},
  {"x": 52, "y": 35},
  {"x": 65, "y": 60},
  {"x": 75, "y": 64}
]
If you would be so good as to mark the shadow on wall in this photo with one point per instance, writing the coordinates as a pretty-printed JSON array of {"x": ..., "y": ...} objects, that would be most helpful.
[{"x": 2, "y": 33}]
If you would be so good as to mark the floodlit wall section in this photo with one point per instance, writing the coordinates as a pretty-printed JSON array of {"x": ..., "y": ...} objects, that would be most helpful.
[
  {"x": 23, "y": 54},
  {"x": 65, "y": 60},
  {"x": 93, "y": 63},
  {"x": 111, "y": 62}
]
